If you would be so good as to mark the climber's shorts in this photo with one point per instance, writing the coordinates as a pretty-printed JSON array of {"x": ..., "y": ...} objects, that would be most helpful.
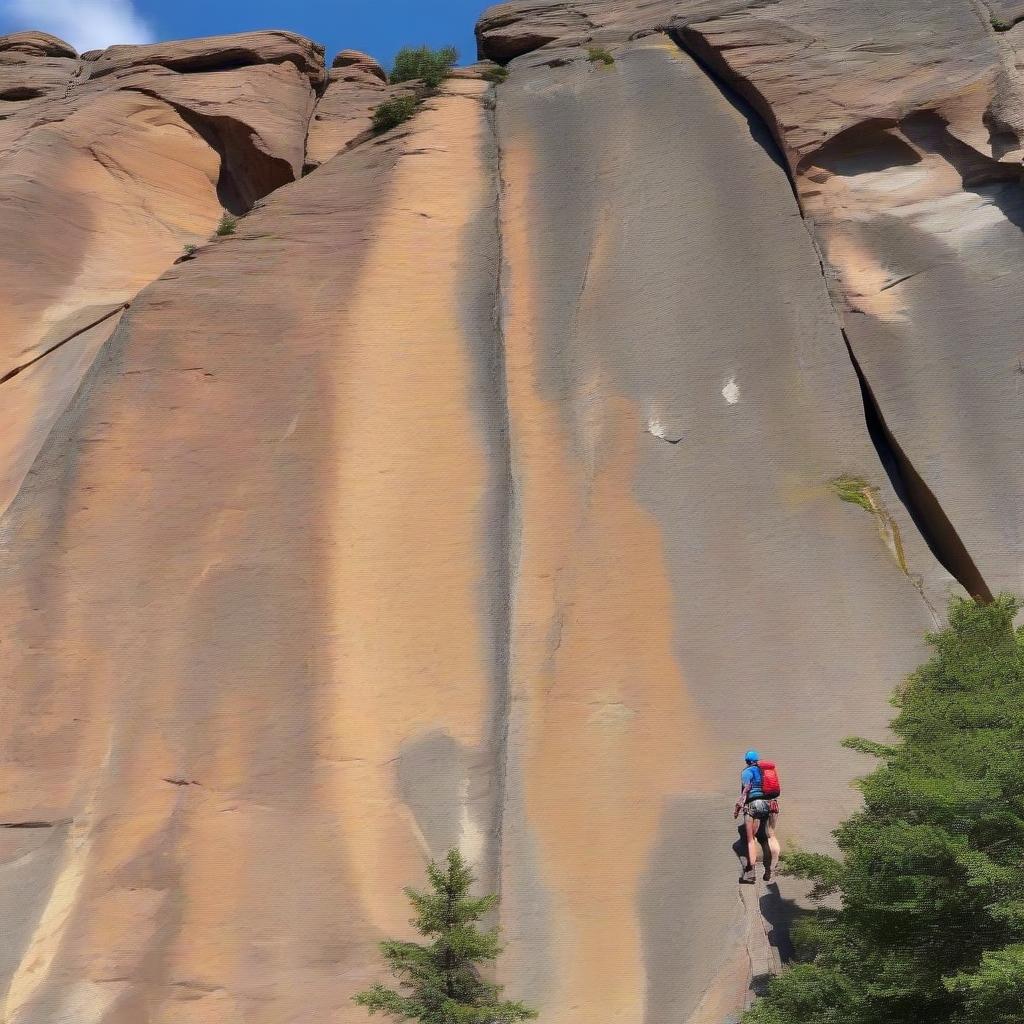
[{"x": 759, "y": 809}]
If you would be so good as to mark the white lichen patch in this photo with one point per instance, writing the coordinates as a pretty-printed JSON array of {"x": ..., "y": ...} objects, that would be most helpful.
[{"x": 731, "y": 391}]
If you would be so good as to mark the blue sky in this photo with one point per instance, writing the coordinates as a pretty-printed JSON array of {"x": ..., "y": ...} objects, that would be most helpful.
[{"x": 378, "y": 27}]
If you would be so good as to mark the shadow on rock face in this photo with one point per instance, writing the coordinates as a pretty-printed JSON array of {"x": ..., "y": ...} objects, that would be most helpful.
[
  {"x": 450, "y": 790},
  {"x": 777, "y": 912},
  {"x": 689, "y": 914}
]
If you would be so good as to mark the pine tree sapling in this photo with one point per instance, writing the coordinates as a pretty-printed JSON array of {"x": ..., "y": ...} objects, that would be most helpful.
[
  {"x": 441, "y": 979},
  {"x": 929, "y": 924}
]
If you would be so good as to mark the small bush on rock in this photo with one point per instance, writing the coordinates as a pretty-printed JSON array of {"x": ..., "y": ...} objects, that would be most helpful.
[
  {"x": 227, "y": 225},
  {"x": 391, "y": 113},
  {"x": 421, "y": 62},
  {"x": 599, "y": 53},
  {"x": 853, "y": 489}
]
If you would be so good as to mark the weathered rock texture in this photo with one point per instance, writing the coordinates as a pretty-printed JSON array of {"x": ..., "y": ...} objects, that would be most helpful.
[
  {"x": 109, "y": 165},
  {"x": 477, "y": 491}
]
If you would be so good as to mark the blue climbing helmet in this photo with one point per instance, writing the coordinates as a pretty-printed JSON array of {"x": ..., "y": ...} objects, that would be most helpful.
[{"x": 751, "y": 757}]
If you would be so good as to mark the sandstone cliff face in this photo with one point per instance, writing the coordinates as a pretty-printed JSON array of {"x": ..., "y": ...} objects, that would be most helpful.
[
  {"x": 109, "y": 165},
  {"x": 477, "y": 491}
]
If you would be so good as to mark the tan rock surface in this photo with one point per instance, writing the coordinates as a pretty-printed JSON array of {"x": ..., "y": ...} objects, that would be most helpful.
[
  {"x": 355, "y": 60},
  {"x": 214, "y": 53},
  {"x": 33, "y": 64},
  {"x": 102, "y": 183},
  {"x": 344, "y": 112},
  {"x": 36, "y": 44},
  {"x": 242, "y": 829}
]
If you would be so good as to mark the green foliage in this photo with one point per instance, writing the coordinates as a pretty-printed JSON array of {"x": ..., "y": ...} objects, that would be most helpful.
[
  {"x": 853, "y": 489},
  {"x": 227, "y": 225},
  {"x": 391, "y": 113},
  {"x": 190, "y": 249},
  {"x": 995, "y": 991},
  {"x": 599, "y": 53},
  {"x": 496, "y": 74},
  {"x": 421, "y": 62},
  {"x": 930, "y": 918},
  {"x": 442, "y": 982},
  {"x": 1001, "y": 24}
]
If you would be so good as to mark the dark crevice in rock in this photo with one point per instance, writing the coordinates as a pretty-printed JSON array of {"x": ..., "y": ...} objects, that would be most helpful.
[
  {"x": 740, "y": 92},
  {"x": 22, "y": 92},
  {"x": 760, "y": 121},
  {"x": 319, "y": 91},
  {"x": 221, "y": 60},
  {"x": 71, "y": 337},
  {"x": 247, "y": 173},
  {"x": 924, "y": 508},
  {"x": 504, "y": 502},
  {"x": 35, "y": 824},
  {"x": 865, "y": 148}
]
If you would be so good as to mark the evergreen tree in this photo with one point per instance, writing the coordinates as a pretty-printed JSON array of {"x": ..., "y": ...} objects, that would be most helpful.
[
  {"x": 442, "y": 980},
  {"x": 929, "y": 921}
]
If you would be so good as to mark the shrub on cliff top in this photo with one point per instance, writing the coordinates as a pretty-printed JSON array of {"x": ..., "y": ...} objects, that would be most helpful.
[
  {"x": 499, "y": 74},
  {"x": 442, "y": 980},
  {"x": 391, "y": 113},
  {"x": 421, "y": 62},
  {"x": 930, "y": 886}
]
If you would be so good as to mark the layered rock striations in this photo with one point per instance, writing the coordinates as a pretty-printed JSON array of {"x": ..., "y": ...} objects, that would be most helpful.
[{"x": 480, "y": 489}]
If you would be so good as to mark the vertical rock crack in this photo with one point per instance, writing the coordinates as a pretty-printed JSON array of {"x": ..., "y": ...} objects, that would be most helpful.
[{"x": 920, "y": 501}]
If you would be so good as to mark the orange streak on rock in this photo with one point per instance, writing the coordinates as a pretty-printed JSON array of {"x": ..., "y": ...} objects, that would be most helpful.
[
  {"x": 96, "y": 210},
  {"x": 407, "y": 579},
  {"x": 607, "y": 731}
]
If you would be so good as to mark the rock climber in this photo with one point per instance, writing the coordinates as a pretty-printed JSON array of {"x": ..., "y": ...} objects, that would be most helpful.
[{"x": 759, "y": 804}]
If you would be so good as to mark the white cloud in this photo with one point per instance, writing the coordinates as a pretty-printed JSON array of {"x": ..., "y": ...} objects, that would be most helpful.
[{"x": 85, "y": 24}]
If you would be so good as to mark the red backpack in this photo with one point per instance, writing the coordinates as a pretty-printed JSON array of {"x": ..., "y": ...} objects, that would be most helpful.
[{"x": 770, "y": 785}]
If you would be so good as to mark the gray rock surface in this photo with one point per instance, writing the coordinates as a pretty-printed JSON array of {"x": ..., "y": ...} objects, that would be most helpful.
[
  {"x": 688, "y": 584},
  {"x": 905, "y": 146}
]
